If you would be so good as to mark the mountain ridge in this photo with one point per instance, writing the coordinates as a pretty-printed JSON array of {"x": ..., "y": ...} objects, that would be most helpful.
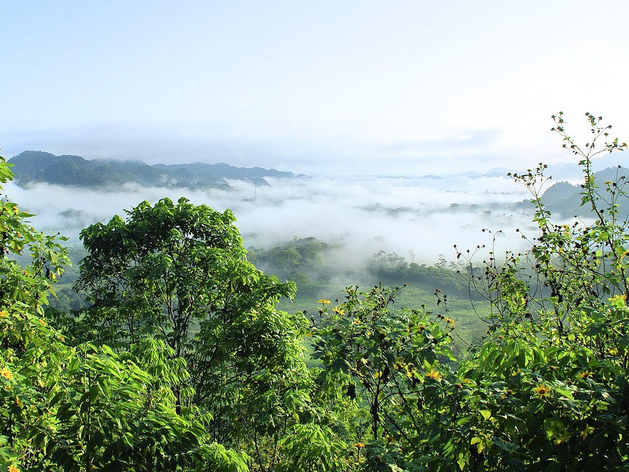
[
  {"x": 565, "y": 198},
  {"x": 75, "y": 171}
]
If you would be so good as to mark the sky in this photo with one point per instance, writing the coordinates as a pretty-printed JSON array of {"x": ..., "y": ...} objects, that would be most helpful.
[{"x": 317, "y": 87}]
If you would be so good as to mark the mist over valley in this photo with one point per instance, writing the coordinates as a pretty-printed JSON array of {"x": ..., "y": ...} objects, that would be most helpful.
[{"x": 418, "y": 218}]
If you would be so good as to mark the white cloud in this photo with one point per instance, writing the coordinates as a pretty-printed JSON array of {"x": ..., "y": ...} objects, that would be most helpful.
[{"x": 365, "y": 214}]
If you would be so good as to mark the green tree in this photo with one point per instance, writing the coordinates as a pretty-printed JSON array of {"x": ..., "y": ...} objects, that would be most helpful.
[
  {"x": 385, "y": 360},
  {"x": 118, "y": 412},
  {"x": 548, "y": 388},
  {"x": 178, "y": 272},
  {"x": 26, "y": 342},
  {"x": 83, "y": 408}
]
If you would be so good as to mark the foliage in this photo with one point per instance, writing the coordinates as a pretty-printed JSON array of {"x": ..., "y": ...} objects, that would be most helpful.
[
  {"x": 113, "y": 415},
  {"x": 178, "y": 272},
  {"x": 83, "y": 408},
  {"x": 385, "y": 361},
  {"x": 26, "y": 342},
  {"x": 551, "y": 377},
  {"x": 313, "y": 447},
  {"x": 392, "y": 268},
  {"x": 546, "y": 390},
  {"x": 303, "y": 260}
]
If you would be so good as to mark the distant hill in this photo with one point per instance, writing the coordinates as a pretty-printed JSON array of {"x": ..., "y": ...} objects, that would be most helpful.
[
  {"x": 38, "y": 166},
  {"x": 564, "y": 198}
]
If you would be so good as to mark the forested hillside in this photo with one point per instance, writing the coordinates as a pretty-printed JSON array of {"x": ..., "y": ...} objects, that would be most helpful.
[
  {"x": 182, "y": 360},
  {"x": 37, "y": 166},
  {"x": 565, "y": 199}
]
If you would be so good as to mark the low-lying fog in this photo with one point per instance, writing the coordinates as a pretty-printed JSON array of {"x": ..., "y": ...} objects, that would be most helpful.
[{"x": 420, "y": 218}]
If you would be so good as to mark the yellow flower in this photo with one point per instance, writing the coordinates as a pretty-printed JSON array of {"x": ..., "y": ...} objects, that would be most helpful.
[
  {"x": 450, "y": 321},
  {"x": 3, "y": 314},
  {"x": 359, "y": 445},
  {"x": 434, "y": 374},
  {"x": 323, "y": 301},
  {"x": 6, "y": 373},
  {"x": 338, "y": 310},
  {"x": 12, "y": 468},
  {"x": 542, "y": 390},
  {"x": 619, "y": 301}
]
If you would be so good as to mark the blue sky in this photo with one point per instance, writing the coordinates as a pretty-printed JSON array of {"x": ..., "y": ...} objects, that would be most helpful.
[{"x": 406, "y": 87}]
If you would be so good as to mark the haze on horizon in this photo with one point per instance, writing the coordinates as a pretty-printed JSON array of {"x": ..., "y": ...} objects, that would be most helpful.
[
  {"x": 353, "y": 87},
  {"x": 420, "y": 219}
]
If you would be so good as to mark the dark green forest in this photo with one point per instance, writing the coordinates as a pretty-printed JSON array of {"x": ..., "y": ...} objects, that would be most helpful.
[
  {"x": 169, "y": 346},
  {"x": 31, "y": 167}
]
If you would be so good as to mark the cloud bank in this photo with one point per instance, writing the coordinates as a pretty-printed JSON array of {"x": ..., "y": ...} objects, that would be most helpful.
[{"x": 424, "y": 217}]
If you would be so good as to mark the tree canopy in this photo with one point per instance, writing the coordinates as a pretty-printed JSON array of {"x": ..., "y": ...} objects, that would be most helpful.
[
  {"x": 84, "y": 407},
  {"x": 178, "y": 272}
]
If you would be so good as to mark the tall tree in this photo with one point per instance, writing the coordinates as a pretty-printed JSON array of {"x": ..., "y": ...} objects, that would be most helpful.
[
  {"x": 179, "y": 272},
  {"x": 83, "y": 408}
]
